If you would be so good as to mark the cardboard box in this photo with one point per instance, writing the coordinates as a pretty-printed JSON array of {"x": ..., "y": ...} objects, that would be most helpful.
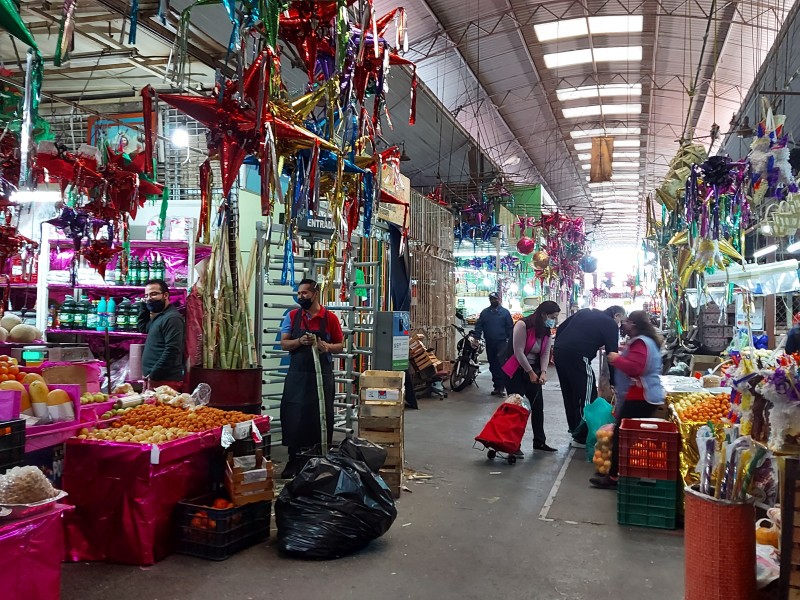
[{"x": 382, "y": 394}]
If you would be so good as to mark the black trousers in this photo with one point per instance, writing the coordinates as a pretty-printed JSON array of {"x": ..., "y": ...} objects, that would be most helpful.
[
  {"x": 521, "y": 384},
  {"x": 493, "y": 350},
  {"x": 578, "y": 384},
  {"x": 630, "y": 409}
]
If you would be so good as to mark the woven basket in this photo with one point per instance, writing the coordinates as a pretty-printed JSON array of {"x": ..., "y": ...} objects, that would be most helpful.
[{"x": 720, "y": 541}]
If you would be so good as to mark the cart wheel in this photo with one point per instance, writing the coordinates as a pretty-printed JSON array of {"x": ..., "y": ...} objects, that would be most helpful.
[
  {"x": 512, "y": 459},
  {"x": 491, "y": 454}
]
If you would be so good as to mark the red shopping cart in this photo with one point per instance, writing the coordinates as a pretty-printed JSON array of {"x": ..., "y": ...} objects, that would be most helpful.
[{"x": 502, "y": 434}]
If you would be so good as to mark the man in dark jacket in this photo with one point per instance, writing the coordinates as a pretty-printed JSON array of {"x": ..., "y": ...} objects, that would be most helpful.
[
  {"x": 577, "y": 341},
  {"x": 163, "y": 354},
  {"x": 495, "y": 324}
]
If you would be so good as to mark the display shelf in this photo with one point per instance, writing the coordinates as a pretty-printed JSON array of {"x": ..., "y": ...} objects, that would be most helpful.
[
  {"x": 19, "y": 285},
  {"x": 134, "y": 334},
  {"x": 115, "y": 289}
]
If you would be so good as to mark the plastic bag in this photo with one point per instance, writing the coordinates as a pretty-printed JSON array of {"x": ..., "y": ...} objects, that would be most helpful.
[
  {"x": 335, "y": 506},
  {"x": 601, "y": 451},
  {"x": 596, "y": 414},
  {"x": 364, "y": 450},
  {"x": 518, "y": 401}
]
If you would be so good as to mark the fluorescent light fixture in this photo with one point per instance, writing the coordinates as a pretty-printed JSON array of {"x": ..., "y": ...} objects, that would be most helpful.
[
  {"x": 606, "y": 90},
  {"x": 793, "y": 247},
  {"x": 617, "y": 144},
  {"x": 616, "y": 165},
  {"x": 555, "y": 60},
  {"x": 617, "y": 205},
  {"x": 615, "y": 155},
  {"x": 582, "y": 133},
  {"x": 580, "y": 27},
  {"x": 594, "y": 110},
  {"x": 35, "y": 196},
  {"x": 180, "y": 138},
  {"x": 765, "y": 250},
  {"x": 623, "y": 194}
]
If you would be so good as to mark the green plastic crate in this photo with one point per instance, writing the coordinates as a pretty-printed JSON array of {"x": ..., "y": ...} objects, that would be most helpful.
[{"x": 647, "y": 502}]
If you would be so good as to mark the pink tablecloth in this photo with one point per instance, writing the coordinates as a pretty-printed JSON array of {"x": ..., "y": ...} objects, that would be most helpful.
[
  {"x": 124, "y": 503},
  {"x": 31, "y": 550}
]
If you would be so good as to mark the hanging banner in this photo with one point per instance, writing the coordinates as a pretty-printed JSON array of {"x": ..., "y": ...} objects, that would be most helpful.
[{"x": 602, "y": 154}]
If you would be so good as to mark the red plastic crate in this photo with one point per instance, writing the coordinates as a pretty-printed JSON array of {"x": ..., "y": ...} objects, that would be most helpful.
[{"x": 649, "y": 448}]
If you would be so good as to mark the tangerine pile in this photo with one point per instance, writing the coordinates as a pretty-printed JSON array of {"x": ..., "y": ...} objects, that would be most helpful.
[
  {"x": 203, "y": 418},
  {"x": 9, "y": 369},
  {"x": 714, "y": 409}
]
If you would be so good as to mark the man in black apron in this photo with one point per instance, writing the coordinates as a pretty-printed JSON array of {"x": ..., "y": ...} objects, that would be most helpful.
[{"x": 303, "y": 327}]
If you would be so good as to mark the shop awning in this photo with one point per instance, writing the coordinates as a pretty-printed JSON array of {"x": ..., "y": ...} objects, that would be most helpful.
[{"x": 761, "y": 280}]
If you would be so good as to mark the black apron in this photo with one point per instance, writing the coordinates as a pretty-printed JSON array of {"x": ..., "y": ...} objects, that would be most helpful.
[{"x": 300, "y": 420}]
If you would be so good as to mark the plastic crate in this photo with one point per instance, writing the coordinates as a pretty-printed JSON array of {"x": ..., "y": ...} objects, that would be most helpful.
[
  {"x": 218, "y": 533},
  {"x": 649, "y": 448},
  {"x": 12, "y": 444},
  {"x": 647, "y": 502}
]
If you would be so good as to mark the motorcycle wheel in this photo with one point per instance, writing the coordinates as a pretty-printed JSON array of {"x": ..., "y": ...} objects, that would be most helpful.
[{"x": 459, "y": 378}]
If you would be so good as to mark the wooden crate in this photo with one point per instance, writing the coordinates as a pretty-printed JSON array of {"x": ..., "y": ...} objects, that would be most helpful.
[
  {"x": 392, "y": 436},
  {"x": 241, "y": 490},
  {"x": 393, "y": 479},
  {"x": 382, "y": 379},
  {"x": 378, "y": 409},
  {"x": 394, "y": 456},
  {"x": 789, "y": 582}
]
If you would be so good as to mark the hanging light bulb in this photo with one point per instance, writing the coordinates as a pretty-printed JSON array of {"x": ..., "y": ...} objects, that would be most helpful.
[
  {"x": 528, "y": 289},
  {"x": 513, "y": 288},
  {"x": 487, "y": 282}
]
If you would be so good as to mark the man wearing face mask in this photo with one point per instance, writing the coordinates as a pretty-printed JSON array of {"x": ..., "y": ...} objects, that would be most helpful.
[
  {"x": 577, "y": 341},
  {"x": 495, "y": 324},
  {"x": 303, "y": 327},
  {"x": 163, "y": 354}
]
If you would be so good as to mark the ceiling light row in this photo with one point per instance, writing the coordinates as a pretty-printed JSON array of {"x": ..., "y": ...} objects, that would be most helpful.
[
  {"x": 614, "y": 155},
  {"x": 583, "y": 146},
  {"x": 615, "y": 165},
  {"x": 581, "y": 27}
]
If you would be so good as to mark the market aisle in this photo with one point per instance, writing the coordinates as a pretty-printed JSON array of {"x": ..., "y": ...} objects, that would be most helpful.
[{"x": 472, "y": 532}]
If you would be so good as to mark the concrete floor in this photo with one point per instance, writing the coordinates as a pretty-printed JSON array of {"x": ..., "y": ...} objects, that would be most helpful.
[{"x": 472, "y": 532}]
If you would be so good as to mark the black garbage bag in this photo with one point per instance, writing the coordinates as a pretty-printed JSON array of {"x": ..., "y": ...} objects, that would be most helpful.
[
  {"x": 335, "y": 506},
  {"x": 364, "y": 450}
]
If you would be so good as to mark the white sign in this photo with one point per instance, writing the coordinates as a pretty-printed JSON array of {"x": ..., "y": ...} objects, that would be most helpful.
[{"x": 756, "y": 316}]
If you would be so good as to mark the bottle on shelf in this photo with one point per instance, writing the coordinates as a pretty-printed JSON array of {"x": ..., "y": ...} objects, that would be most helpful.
[
  {"x": 81, "y": 313},
  {"x": 111, "y": 309},
  {"x": 133, "y": 271},
  {"x": 92, "y": 317},
  {"x": 159, "y": 270},
  {"x": 66, "y": 316},
  {"x": 124, "y": 316},
  {"x": 144, "y": 272},
  {"x": 102, "y": 315},
  {"x": 118, "y": 280},
  {"x": 51, "y": 316}
]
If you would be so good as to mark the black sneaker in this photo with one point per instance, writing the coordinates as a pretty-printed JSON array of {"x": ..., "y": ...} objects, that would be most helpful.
[
  {"x": 544, "y": 448},
  {"x": 499, "y": 393},
  {"x": 604, "y": 482}
]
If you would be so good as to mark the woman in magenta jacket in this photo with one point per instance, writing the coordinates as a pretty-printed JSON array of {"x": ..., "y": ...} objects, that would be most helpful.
[{"x": 526, "y": 368}]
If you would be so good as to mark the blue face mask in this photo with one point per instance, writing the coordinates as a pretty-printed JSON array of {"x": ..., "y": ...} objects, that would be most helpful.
[{"x": 550, "y": 323}]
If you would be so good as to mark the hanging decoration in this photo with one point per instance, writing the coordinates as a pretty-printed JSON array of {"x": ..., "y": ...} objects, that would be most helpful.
[{"x": 588, "y": 264}]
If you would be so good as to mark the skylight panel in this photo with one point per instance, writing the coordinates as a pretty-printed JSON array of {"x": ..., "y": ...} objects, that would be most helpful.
[
  {"x": 568, "y": 58},
  {"x": 582, "y": 133},
  {"x": 580, "y": 27},
  {"x": 615, "y": 155},
  {"x": 560, "y": 30},
  {"x": 618, "y": 54},
  {"x": 608, "y": 90},
  {"x": 616, "y": 24}
]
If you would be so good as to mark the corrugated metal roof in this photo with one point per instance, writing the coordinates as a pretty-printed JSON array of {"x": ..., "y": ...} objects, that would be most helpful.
[{"x": 493, "y": 45}]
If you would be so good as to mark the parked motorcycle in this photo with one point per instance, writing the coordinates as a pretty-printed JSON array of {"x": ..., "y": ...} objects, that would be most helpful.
[{"x": 466, "y": 368}]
